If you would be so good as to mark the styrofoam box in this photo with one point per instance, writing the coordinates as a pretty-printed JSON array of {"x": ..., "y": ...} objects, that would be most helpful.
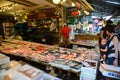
[{"x": 4, "y": 60}]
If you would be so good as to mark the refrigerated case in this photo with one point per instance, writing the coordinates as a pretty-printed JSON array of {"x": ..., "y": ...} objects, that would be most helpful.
[{"x": 66, "y": 60}]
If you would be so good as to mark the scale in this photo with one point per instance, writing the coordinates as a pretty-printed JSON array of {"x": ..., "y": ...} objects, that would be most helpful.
[{"x": 110, "y": 71}]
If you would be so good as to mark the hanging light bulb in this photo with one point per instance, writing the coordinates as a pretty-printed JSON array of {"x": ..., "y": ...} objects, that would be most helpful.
[
  {"x": 63, "y": 1},
  {"x": 86, "y": 12},
  {"x": 15, "y": 17},
  {"x": 0, "y": 9},
  {"x": 79, "y": 12},
  {"x": 56, "y": 1},
  {"x": 73, "y": 4},
  {"x": 3, "y": 9},
  {"x": 9, "y": 6}
]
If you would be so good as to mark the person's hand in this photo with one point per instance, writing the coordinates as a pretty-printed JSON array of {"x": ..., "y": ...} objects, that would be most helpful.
[{"x": 115, "y": 62}]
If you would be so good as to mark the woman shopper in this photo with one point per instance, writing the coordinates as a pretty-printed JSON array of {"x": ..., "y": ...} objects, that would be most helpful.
[
  {"x": 117, "y": 30},
  {"x": 103, "y": 32},
  {"x": 112, "y": 53}
]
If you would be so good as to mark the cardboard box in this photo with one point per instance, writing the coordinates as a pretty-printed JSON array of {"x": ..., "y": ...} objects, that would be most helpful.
[{"x": 1, "y": 39}]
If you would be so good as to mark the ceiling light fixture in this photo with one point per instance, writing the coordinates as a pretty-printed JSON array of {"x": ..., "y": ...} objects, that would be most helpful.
[
  {"x": 107, "y": 17},
  {"x": 79, "y": 12},
  {"x": 86, "y": 12},
  {"x": 63, "y": 1},
  {"x": 56, "y": 1},
  {"x": 9, "y": 6},
  {"x": 6, "y": 7},
  {"x": 113, "y": 2},
  {"x": 73, "y": 4},
  {"x": 3, "y": 10},
  {"x": 0, "y": 9}
]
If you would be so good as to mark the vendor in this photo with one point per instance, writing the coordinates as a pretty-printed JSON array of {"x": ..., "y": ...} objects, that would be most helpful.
[{"x": 65, "y": 30}]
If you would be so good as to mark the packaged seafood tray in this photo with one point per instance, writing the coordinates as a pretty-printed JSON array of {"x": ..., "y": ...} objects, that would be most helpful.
[
  {"x": 62, "y": 66},
  {"x": 46, "y": 76},
  {"x": 76, "y": 65},
  {"x": 91, "y": 63},
  {"x": 14, "y": 65},
  {"x": 34, "y": 73},
  {"x": 4, "y": 59},
  {"x": 12, "y": 75},
  {"x": 25, "y": 72},
  {"x": 29, "y": 71}
]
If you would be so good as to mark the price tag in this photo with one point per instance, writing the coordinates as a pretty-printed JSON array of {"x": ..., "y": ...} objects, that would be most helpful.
[{"x": 113, "y": 75}]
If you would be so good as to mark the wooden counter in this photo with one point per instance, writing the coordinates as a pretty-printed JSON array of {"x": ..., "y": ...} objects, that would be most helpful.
[{"x": 87, "y": 37}]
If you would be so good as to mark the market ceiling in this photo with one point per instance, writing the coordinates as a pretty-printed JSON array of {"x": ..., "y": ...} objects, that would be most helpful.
[
  {"x": 105, "y": 7},
  {"x": 99, "y": 7},
  {"x": 23, "y": 6}
]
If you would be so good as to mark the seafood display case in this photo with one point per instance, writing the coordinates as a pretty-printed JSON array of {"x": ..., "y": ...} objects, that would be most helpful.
[{"x": 55, "y": 57}]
